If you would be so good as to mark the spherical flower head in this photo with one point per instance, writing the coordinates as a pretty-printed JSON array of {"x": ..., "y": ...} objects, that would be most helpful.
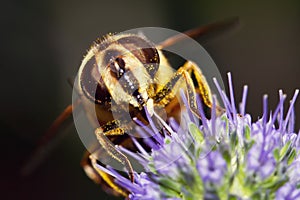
[{"x": 226, "y": 156}]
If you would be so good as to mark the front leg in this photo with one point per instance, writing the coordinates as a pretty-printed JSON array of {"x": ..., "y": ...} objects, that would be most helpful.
[
  {"x": 109, "y": 129},
  {"x": 169, "y": 91}
]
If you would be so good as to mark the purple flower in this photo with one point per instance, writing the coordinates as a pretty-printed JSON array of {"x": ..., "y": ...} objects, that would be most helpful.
[
  {"x": 212, "y": 168},
  {"x": 288, "y": 192},
  {"x": 227, "y": 156}
]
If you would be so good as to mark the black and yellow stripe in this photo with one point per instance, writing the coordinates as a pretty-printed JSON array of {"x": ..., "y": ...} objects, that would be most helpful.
[{"x": 120, "y": 67}]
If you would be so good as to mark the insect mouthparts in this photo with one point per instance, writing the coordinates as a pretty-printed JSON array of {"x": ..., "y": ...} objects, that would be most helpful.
[
  {"x": 150, "y": 107},
  {"x": 138, "y": 97}
]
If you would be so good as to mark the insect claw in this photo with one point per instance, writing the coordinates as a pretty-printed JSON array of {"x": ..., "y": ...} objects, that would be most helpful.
[{"x": 131, "y": 176}]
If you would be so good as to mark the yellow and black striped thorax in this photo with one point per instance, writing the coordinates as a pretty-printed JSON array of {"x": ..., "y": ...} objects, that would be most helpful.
[{"x": 120, "y": 67}]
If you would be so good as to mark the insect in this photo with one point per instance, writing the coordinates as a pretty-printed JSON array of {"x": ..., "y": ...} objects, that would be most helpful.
[{"x": 133, "y": 74}]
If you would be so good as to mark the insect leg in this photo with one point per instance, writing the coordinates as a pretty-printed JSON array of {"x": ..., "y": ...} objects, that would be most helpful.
[
  {"x": 203, "y": 87},
  {"x": 171, "y": 88},
  {"x": 113, "y": 128},
  {"x": 88, "y": 168},
  {"x": 88, "y": 163}
]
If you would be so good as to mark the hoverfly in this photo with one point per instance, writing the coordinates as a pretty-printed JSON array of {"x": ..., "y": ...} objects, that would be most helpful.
[{"x": 129, "y": 70}]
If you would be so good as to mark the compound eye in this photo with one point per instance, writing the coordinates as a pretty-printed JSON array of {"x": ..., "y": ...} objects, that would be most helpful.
[
  {"x": 117, "y": 68},
  {"x": 92, "y": 83}
]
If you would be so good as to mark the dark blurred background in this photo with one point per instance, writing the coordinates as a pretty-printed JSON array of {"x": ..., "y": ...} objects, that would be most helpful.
[{"x": 43, "y": 43}]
